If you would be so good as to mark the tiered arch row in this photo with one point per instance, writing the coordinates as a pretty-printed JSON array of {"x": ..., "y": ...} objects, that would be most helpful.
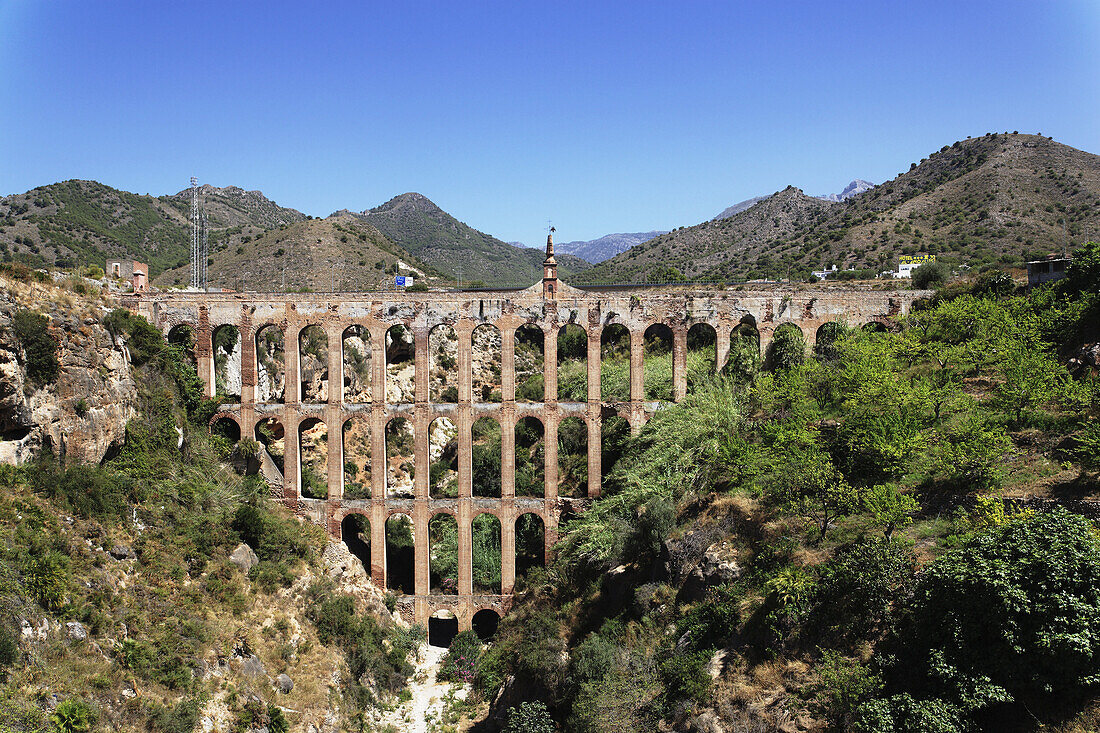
[{"x": 497, "y": 404}]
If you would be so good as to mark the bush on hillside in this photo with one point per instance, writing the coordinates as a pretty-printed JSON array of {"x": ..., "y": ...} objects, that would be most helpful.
[
  {"x": 38, "y": 344},
  {"x": 930, "y": 275},
  {"x": 1008, "y": 617}
]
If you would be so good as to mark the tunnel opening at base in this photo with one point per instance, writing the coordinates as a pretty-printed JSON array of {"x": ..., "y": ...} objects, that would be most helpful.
[
  {"x": 400, "y": 561},
  {"x": 355, "y": 532},
  {"x": 442, "y": 628},
  {"x": 485, "y": 623},
  {"x": 226, "y": 428}
]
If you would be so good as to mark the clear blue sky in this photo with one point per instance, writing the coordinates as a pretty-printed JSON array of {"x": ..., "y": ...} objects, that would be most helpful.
[{"x": 604, "y": 116}]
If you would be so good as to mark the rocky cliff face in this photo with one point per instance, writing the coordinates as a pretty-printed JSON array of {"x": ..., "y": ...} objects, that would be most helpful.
[{"x": 83, "y": 413}]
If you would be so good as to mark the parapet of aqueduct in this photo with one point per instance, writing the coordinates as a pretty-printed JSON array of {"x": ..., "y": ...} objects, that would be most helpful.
[{"x": 549, "y": 306}]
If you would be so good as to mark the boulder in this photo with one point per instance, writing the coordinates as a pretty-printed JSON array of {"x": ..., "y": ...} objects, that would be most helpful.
[
  {"x": 717, "y": 566},
  {"x": 76, "y": 631},
  {"x": 253, "y": 667},
  {"x": 122, "y": 552},
  {"x": 284, "y": 684},
  {"x": 244, "y": 558}
]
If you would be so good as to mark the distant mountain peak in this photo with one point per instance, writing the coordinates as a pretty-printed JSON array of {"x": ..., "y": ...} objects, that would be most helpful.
[
  {"x": 854, "y": 188},
  {"x": 410, "y": 200}
]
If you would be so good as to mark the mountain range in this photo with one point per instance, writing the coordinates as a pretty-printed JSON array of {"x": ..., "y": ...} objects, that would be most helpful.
[{"x": 998, "y": 198}]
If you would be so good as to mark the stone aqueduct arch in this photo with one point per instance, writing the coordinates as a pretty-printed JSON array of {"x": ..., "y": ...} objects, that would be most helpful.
[{"x": 637, "y": 309}]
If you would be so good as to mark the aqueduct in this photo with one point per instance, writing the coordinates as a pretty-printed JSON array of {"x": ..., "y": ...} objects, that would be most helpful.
[{"x": 396, "y": 335}]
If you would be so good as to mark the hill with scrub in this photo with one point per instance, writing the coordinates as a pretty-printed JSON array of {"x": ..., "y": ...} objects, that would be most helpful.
[
  {"x": 414, "y": 223},
  {"x": 1002, "y": 198},
  {"x": 76, "y": 223},
  {"x": 340, "y": 252}
]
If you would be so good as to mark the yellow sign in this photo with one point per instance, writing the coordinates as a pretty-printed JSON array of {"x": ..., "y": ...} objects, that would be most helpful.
[{"x": 916, "y": 259}]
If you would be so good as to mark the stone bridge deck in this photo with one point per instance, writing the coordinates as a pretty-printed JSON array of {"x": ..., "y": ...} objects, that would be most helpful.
[{"x": 594, "y": 311}]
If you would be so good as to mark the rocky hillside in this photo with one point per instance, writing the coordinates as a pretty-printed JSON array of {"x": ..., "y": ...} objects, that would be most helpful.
[
  {"x": 150, "y": 585},
  {"x": 342, "y": 252},
  {"x": 705, "y": 251},
  {"x": 414, "y": 223},
  {"x": 75, "y": 404},
  {"x": 996, "y": 198},
  {"x": 85, "y": 223}
]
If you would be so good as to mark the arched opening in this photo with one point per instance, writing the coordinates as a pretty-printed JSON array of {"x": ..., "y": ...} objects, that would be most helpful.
[
  {"x": 615, "y": 363},
  {"x": 572, "y": 364},
  {"x": 355, "y": 532},
  {"x": 875, "y": 327},
  {"x": 614, "y": 433},
  {"x": 400, "y": 559},
  {"x": 313, "y": 364},
  {"x": 357, "y": 456},
  {"x": 400, "y": 461},
  {"x": 270, "y": 365},
  {"x": 573, "y": 458},
  {"x": 442, "y": 628},
  {"x": 183, "y": 336},
  {"x": 485, "y": 623},
  {"x": 787, "y": 349},
  {"x": 657, "y": 362},
  {"x": 530, "y": 474},
  {"x": 400, "y": 366},
  {"x": 227, "y": 363},
  {"x": 744, "y": 358},
  {"x": 269, "y": 434},
  {"x": 530, "y": 543},
  {"x": 226, "y": 428},
  {"x": 485, "y": 363},
  {"x": 356, "y": 360},
  {"x": 485, "y": 533},
  {"x": 486, "y": 457},
  {"x": 443, "y": 459},
  {"x": 826, "y": 338},
  {"x": 313, "y": 458},
  {"x": 702, "y": 355},
  {"x": 443, "y": 554},
  {"x": 443, "y": 364},
  {"x": 529, "y": 363}
]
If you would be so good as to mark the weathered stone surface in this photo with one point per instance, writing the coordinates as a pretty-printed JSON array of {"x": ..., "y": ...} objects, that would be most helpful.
[
  {"x": 122, "y": 552},
  {"x": 251, "y": 666},
  {"x": 81, "y": 415},
  {"x": 76, "y": 631},
  {"x": 284, "y": 684},
  {"x": 244, "y": 557}
]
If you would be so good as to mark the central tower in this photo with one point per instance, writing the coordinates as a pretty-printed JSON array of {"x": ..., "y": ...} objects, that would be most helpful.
[{"x": 550, "y": 269}]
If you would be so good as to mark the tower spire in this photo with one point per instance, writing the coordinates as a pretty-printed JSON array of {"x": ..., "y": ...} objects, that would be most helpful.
[{"x": 550, "y": 269}]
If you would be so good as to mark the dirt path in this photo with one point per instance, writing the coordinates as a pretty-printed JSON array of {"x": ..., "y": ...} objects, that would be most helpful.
[{"x": 422, "y": 712}]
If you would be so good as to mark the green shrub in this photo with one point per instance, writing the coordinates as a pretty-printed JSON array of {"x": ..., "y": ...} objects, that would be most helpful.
[
  {"x": 990, "y": 621},
  {"x": 530, "y": 717},
  {"x": 460, "y": 662},
  {"x": 906, "y": 714},
  {"x": 38, "y": 344},
  {"x": 845, "y": 683},
  {"x": 47, "y": 578},
  {"x": 930, "y": 275},
  {"x": 72, "y": 716},
  {"x": 685, "y": 676},
  {"x": 183, "y": 717}
]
